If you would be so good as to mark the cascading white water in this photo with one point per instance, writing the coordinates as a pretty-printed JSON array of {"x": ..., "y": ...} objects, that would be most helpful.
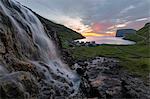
[{"x": 46, "y": 48}]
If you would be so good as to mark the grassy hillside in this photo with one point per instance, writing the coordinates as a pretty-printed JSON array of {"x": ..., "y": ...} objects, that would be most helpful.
[
  {"x": 134, "y": 58},
  {"x": 142, "y": 35},
  {"x": 65, "y": 34}
]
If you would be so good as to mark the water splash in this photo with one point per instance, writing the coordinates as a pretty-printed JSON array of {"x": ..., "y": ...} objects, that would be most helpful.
[{"x": 48, "y": 59}]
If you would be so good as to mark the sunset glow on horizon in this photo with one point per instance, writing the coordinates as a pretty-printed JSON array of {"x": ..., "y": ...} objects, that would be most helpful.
[
  {"x": 95, "y": 29},
  {"x": 97, "y": 34}
]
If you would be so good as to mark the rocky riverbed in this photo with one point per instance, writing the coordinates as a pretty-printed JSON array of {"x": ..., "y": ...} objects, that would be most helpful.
[{"x": 103, "y": 78}]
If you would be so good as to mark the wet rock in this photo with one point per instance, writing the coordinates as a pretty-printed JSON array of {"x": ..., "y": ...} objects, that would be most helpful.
[
  {"x": 80, "y": 71},
  {"x": 28, "y": 46},
  {"x": 66, "y": 56},
  {"x": 104, "y": 78},
  {"x": 2, "y": 48},
  {"x": 18, "y": 85},
  {"x": 134, "y": 87}
]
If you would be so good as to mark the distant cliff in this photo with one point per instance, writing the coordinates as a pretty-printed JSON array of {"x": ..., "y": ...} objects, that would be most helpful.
[{"x": 123, "y": 32}]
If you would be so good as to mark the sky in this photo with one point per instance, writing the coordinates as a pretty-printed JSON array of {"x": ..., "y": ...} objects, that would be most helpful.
[{"x": 93, "y": 17}]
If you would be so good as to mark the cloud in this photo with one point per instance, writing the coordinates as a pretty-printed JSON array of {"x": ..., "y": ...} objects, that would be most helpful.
[
  {"x": 80, "y": 15},
  {"x": 127, "y": 9},
  {"x": 142, "y": 19},
  {"x": 121, "y": 25}
]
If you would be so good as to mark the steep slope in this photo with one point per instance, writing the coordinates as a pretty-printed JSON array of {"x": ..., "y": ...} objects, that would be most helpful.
[
  {"x": 30, "y": 64},
  {"x": 65, "y": 34}
]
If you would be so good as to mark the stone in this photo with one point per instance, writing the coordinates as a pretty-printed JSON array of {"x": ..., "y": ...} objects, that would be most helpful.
[
  {"x": 2, "y": 48},
  {"x": 18, "y": 85}
]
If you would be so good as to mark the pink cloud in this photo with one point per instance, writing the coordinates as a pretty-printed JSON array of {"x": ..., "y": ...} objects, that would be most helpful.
[{"x": 100, "y": 26}]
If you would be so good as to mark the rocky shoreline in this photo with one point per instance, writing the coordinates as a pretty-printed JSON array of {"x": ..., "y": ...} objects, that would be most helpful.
[
  {"x": 86, "y": 44},
  {"x": 103, "y": 78}
]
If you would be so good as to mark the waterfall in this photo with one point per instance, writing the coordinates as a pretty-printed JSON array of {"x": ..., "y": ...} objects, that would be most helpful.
[{"x": 49, "y": 61}]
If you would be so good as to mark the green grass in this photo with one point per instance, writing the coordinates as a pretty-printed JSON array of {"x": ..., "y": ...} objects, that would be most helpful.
[
  {"x": 133, "y": 58},
  {"x": 66, "y": 36},
  {"x": 140, "y": 66},
  {"x": 111, "y": 51}
]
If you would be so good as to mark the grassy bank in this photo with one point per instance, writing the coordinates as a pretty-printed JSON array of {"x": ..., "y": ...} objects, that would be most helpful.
[{"x": 134, "y": 58}]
